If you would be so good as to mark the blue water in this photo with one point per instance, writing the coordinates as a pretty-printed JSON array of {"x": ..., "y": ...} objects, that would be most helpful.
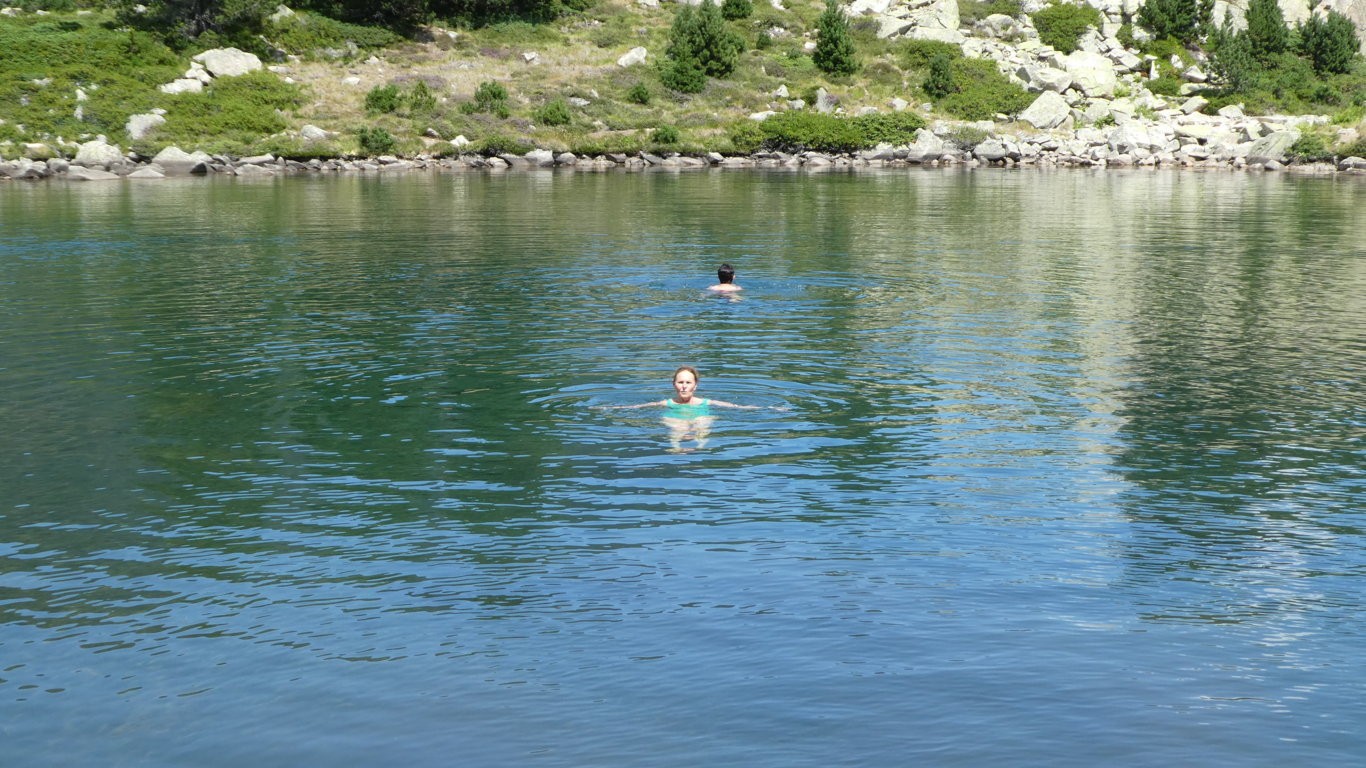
[{"x": 1050, "y": 469}]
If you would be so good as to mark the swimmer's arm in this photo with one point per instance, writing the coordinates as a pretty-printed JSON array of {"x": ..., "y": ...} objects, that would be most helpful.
[
  {"x": 724, "y": 404},
  {"x": 653, "y": 404}
]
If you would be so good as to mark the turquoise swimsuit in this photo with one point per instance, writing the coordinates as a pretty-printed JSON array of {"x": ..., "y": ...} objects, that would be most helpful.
[{"x": 697, "y": 408}]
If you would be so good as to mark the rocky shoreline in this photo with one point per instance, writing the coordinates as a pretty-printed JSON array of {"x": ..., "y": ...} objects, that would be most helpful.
[{"x": 1123, "y": 147}]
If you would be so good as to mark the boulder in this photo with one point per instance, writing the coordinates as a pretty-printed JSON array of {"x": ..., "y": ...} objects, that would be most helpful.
[
  {"x": 314, "y": 133},
  {"x": 39, "y": 151},
  {"x": 98, "y": 154},
  {"x": 1045, "y": 78},
  {"x": 1048, "y": 111},
  {"x": 140, "y": 127},
  {"x": 228, "y": 62},
  {"x": 1092, "y": 74},
  {"x": 542, "y": 158},
  {"x": 146, "y": 173},
  {"x": 632, "y": 57},
  {"x": 1272, "y": 147},
  {"x": 183, "y": 85},
  {"x": 991, "y": 150},
  {"x": 82, "y": 173}
]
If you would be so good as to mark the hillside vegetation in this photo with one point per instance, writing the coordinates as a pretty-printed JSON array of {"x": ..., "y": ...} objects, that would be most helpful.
[{"x": 513, "y": 75}]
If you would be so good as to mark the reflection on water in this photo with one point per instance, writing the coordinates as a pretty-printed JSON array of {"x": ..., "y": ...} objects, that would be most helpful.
[{"x": 1068, "y": 467}]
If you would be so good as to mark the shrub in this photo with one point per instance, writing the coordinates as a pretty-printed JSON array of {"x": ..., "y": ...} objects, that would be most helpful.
[
  {"x": 639, "y": 94},
  {"x": 1061, "y": 24},
  {"x": 489, "y": 97},
  {"x": 1310, "y": 148},
  {"x": 1266, "y": 29},
  {"x": 889, "y": 128},
  {"x": 232, "y": 111},
  {"x": 665, "y": 134},
  {"x": 375, "y": 141},
  {"x": 980, "y": 92},
  {"x": 834, "y": 54},
  {"x": 554, "y": 113},
  {"x": 967, "y": 137},
  {"x": 683, "y": 74},
  {"x": 737, "y": 9},
  {"x": 421, "y": 99},
  {"x": 939, "y": 82},
  {"x": 382, "y": 99},
  {"x": 497, "y": 144},
  {"x": 1182, "y": 20},
  {"x": 972, "y": 11},
  {"x": 800, "y": 131},
  {"x": 917, "y": 54},
  {"x": 306, "y": 33},
  {"x": 747, "y": 136},
  {"x": 1329, "y": 43},
  {"x": 1350, "y": 116},
  {"x": 1166, "y": 86},
  {"x": 1354, "y": 149}
]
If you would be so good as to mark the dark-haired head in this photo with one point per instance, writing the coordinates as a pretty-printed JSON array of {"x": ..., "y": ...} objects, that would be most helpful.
[{"x": 726, "y": 273}]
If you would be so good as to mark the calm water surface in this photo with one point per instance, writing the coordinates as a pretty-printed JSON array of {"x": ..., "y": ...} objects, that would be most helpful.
[{"x": 1064, "y": 470}]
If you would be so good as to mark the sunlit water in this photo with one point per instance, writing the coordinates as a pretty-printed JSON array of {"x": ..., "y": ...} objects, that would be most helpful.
[{"x": 1053, "y": 469}]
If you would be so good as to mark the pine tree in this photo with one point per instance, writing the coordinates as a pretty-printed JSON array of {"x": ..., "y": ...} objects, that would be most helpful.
[
  {"x": 1266, "y": 29},
  {"x": 939, "y": 82},
  {"x": 834, "y": 52},
  {"x": 1182, "y": 20},
  {"x": 1330, "y": 43}
]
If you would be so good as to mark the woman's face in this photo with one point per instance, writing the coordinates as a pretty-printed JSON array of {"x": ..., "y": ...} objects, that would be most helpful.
[{"x": 685, "y": 383}]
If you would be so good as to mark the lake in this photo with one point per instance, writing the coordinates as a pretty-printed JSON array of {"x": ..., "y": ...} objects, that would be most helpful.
[{"x": 1050, "y": 469}]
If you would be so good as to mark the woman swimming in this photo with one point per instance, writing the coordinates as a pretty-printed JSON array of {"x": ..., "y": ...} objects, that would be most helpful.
[{"x": 687, "y": 415}]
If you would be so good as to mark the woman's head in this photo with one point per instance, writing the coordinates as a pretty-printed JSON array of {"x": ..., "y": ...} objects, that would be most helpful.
[{"x": 685, "y": 381}]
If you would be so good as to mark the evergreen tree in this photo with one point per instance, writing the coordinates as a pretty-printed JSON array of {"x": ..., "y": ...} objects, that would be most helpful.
[
  {"x": 700, "y": 45},
  {"x": 834, "y": 52},
  {"x": 939, "y": 82},
  {"x": 1266, "y": 30},
  {"x": 1183, "y": 20},
  {"x": 1329, "y": 43},
  {"x": 737, "y": 9}
]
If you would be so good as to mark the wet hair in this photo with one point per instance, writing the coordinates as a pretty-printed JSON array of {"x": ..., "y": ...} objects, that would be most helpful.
[
  {"x": 726, "y": 273},
  {"x": 689, "y": 369}
]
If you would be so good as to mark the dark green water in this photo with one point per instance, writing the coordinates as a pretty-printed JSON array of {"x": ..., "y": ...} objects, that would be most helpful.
[{"x": 1069, "y": 471}]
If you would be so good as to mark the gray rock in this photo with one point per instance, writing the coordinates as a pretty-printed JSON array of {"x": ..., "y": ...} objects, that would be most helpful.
[
  {"x": 633, "y": 57},
  {"x": 140, "y": 127},
  {"x": 146, "y": 173},
  {"x": 228, "y": 62},
  {"x": 266, "y": 159},
  {"x": 39, "y": 151},
  {"x": 1353, "y": 163},
  {"x": 566, "y": 158},
  {"x": 826, "y": 102},
  {"x": 183, "y": 85},
  {"x": 543, "y": 158},
  {"x": 1272, "y": 147},
  {"x": 1048, "y": 111},
  {"x": 82, "y": 173},
  {"x": 991, "y": 150},
  {"x": 314, "y": 133},
  {"x": 98, "y": 154},
  {"x": 1092, "y": 74}
]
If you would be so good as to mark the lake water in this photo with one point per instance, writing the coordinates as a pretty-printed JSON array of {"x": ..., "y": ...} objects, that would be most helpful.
[{"x": 1054, "y": 469}]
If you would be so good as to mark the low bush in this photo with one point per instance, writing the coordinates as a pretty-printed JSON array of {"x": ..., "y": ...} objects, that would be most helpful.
[
  {"x": 497, "y": 144},
  {"x": 1061, "y": 24},
  {"x": 311, "y": 35},
  {"x": 917, "y": 54},
  {"x": 375, "y": 141},
  {"x": 554, "y": 113},
  {"x": 980, "y": 92},
  {"x": 420, "y": 98},
  {"x": 1354, "y": 149},
  {"x": 383, "y": 99},
  {"x": 799, "y": 131},
  {"x": 665, "y": 134},
  {"x": 1309, "y": 148},
  {"x": 972, "y": 11},
  {"x": 230, "y": 112},
  {"x": 489, "y": 97},
  {"x": 639, "y": 94}
]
